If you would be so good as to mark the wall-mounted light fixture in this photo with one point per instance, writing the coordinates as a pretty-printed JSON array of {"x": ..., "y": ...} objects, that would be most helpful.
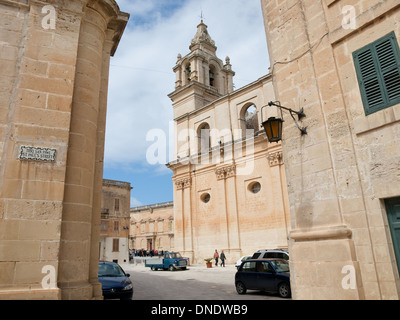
[{"x": 273, "y": 126}]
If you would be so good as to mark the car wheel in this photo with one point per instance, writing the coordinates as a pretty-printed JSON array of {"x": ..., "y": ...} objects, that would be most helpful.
[
  {"x": 284, "y": 290},
  {"x": 240, "y": 288},
  {"x": 171, "y": 268},
  {"x": 153, "y": 268}
]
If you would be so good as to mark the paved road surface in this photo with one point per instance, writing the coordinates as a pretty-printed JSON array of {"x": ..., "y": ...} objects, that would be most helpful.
[{"x": 196, "y": 283}]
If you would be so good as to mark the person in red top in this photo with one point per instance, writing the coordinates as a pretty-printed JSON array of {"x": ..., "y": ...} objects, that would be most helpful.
[{"x": 216, "y": 256}]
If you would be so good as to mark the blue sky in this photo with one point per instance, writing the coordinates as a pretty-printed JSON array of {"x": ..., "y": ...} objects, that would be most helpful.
[{"x": 141, "y": 77}]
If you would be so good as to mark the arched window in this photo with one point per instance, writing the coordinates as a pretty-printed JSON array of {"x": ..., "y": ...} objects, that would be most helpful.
[
  {"x": 249, "y": 119},
  {"x": 212, "y": 76},
  {"x": 204, "y": 141},
  {"x": 188, "y": 73}
]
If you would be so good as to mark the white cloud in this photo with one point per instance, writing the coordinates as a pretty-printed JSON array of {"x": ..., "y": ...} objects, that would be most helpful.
[
  {"x": 135, "y": 202},
  {"x": 141, "y": 73}
]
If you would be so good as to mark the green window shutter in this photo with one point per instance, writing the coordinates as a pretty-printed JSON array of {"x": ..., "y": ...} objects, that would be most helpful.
[
  {"x": 378, "y": 72},
  {"x": 393, "y": 211},
  {"x": 368, "y": 79},
  {"x": 388, "y": 55}
]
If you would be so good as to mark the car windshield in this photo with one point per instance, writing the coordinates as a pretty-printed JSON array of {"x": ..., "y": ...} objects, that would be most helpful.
[
  {"x": 110, "y": 270},
  {"x": 175, "y": 255},
  {"x": 280, "y": 265}
]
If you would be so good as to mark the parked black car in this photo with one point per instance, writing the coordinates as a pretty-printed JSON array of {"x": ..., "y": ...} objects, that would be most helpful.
[
  {"x": 115, "y": 282},
  {"x": 270, "y": 275}
]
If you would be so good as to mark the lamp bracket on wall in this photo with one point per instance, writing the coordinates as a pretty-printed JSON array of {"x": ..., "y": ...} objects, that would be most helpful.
[{"x": 300, "y": 114}]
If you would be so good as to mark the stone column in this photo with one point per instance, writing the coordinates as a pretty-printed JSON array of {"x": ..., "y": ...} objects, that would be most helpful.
[
  {"x": 98, "y": 171},
  {"x": 178, "y": 73},
  {"x": 183, "y": 220},
  {"x": 222, "y": 210},
  {"x": 232, "y": 214},
  {"x": 275, "y": 161},
  {"x": 82, "y": 196},
  {"x": 229, "y": 220},
  {"x": 179, "y": 222},
  {"x": 79, "y": 188}
]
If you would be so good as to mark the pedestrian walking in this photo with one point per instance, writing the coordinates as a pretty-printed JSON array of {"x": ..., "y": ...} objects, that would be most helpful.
[
  {"x": 216, "y": 256},
  {"x": 223, "y": 257}
]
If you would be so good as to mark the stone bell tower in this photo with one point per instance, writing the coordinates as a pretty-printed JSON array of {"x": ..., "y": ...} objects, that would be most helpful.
[{"x": 201, "y": 77}]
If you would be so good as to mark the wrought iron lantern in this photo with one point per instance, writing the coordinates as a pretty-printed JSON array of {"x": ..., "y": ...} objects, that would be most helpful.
[
  {"x": 273, "y": 126},
  {"x": 273, "y": 129}
]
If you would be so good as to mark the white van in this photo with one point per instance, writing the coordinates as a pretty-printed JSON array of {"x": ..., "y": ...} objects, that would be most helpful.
[{"x": 275, "y": 253}]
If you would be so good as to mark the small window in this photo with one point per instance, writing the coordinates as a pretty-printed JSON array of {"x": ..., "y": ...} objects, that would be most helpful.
[
  {"x": 265, "y": 267},
  {"x": 204, "y": 138},
  {"x": 205, "y": 197},
  {"x": 256, "y": 255},
  {"x": 116, "y": 226},
  {"x": 378, "y": 73},
  {"x": 255, "y": 187},
  {"x": 115, "y": 245},
  {"x": 285, "y": 256},
  {"x": 249, "y": 266},
  {"x": 116, "y": 204}
]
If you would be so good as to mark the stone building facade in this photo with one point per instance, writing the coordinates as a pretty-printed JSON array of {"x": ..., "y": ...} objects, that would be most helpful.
[
  {"x": 54, "y": 59},
  {"x": 115, "y": 221},
  {"x": 229, "y": 182},
  {"x": 152, "y": 227},
  {"x": 339, "y": 60}
]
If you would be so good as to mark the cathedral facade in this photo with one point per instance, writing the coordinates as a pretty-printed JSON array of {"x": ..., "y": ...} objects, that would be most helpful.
[{"x": 229, "y": 182}]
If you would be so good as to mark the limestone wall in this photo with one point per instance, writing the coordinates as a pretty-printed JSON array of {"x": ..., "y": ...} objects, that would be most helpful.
[
  {"x": 340, "y": 173},
  {"x": 55, "y": 56}
]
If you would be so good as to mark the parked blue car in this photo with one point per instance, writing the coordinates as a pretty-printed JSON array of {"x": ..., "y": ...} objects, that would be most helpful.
[
  {"x": 116, "y": 284},
  {"x": 270, "y": 275}
]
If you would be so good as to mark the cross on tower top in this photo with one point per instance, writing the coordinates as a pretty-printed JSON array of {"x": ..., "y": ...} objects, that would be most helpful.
[{"x": 202, "y": 16}]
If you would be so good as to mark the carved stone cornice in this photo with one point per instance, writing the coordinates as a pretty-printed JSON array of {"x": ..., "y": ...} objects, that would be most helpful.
[
  {"x": 322, "y": 233},
  {"x": 275, "y": 158},
  {"x": 225, "y": 172},
  {"x": 220, "y": 173},
  {"x": 183, "y": 183}
]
